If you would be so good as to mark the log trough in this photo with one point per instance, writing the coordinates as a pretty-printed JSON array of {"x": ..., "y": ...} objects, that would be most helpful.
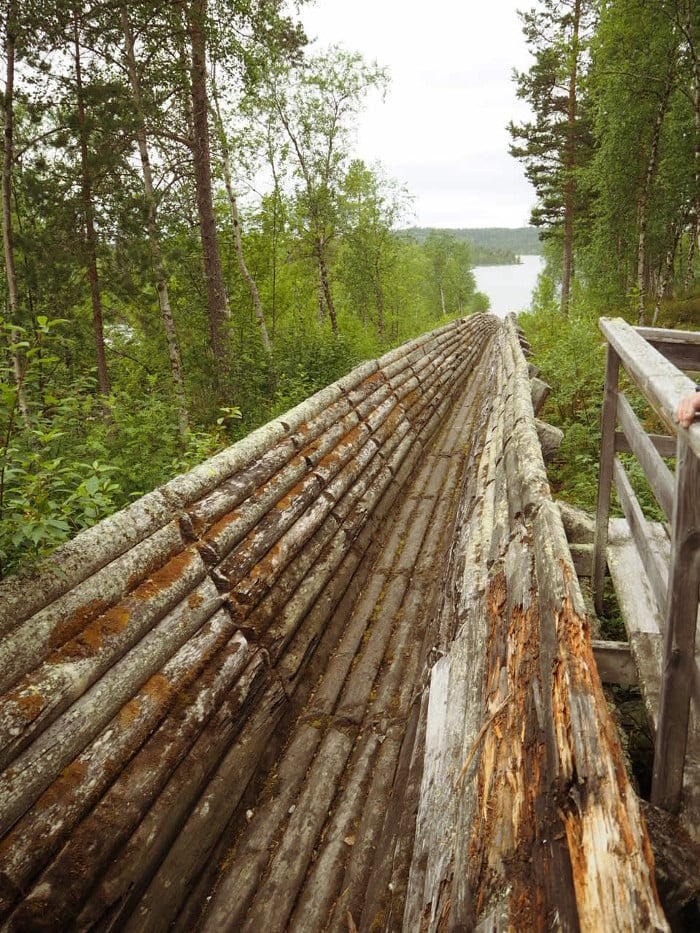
[{"x": 337, "y": 677}]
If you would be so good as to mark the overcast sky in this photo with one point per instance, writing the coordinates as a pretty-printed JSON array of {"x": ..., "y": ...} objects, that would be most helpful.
[{"x": 441, "y": 130}]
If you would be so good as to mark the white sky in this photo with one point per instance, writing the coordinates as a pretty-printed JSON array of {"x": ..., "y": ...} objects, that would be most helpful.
[{"x": 441, "y": 130}]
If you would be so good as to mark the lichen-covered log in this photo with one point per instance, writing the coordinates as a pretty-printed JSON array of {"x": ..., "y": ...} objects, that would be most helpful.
[{"x": 331, "y": 678}]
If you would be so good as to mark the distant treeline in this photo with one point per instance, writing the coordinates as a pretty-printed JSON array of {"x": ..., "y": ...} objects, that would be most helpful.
[{"x": 490, "y": 245}]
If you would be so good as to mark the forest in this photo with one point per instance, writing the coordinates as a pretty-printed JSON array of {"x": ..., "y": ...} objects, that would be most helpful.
[
  {"x": 613, "y": 152},
  {"x": 191, "y": 246},
  {"x": 492, "y": 245}
]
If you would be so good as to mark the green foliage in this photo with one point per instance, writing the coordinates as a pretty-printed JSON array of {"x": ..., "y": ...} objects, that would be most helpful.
[
  {"x": 96, "y": 246},
  {"x": 45, "y": 495},
  {"x": 570, "y": 353}
]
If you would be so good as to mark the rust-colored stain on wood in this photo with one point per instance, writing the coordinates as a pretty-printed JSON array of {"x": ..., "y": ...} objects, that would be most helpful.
[
  {"x": 294, "y": 493},
  {"x": 27, "y": 699},
  {"x": 129, "y": 712},
  {"x": 195, "y": 600},
  {"x": 224, "y": 522},
  {"x": 76, "y": 622},
  {"x": 166, "y": 576}
]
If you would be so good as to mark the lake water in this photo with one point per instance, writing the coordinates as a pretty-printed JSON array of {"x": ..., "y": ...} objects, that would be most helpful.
[{"x": 509, "y": 287}]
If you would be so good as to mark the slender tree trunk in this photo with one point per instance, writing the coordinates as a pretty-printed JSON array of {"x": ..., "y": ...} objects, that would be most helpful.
[
  {"x": 166, "y": 314},
  {"x": 320, "y": 299},
  {"x": 216, "y": 289},
  {"x": 7, "y": 103},
  {"x": 570, "y": 165},
  {"x": 643, "y": 199},
  {"x": 275, "y": 230},
  {"x": 667, "y": 271},
  {"x": 442, "y": 300},
  {"x": 236, "y": 220},
  {"x": 690, "y": 33},
  {"x": 380, "y": 301},
  {"x": 692, "y": 251},
  {"x": 325, "y": 285},
  {"x": 88, "y": 208}
]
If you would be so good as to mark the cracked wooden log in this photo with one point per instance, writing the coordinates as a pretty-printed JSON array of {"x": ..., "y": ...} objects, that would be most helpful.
[
  {"x": 521, "y": 758},
  {"x": 70, "y": 798}
]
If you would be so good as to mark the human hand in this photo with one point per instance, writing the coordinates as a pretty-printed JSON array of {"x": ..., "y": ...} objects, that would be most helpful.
[{"x": 688, "y": 406}]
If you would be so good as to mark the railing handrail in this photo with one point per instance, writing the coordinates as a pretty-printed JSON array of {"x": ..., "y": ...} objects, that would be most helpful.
[
  {"x": 656, "y": 377},
  {"x": 662, "y": 384}
]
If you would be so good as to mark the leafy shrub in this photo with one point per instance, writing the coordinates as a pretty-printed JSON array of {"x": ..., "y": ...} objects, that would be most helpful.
[{"x": 570, "y": 352}]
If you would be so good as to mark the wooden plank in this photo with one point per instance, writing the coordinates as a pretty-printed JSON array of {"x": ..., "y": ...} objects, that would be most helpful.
[
  {"x": 607, "y": 457},
  {"x": 658, "y": 475},
  {"x": 653, "y": 561},
  {"x": 640, "y": 612},
  {"x": 615, "y": 662},
  {"x": 680, "y": 347},
  {"x": 679, "y": 642},
  {"x": 663, "y": 443}
]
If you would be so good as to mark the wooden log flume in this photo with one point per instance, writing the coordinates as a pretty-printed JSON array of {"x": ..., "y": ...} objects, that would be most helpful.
[{"x": 338, "y": 676}]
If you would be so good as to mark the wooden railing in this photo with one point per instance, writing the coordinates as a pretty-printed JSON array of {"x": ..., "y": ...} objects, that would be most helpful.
[{"x": 653, "y": 360}]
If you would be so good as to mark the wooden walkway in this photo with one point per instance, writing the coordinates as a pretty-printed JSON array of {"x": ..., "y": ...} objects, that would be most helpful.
[
  {"x": 655, "y": 566},
  {"x": 339, "y": 677}
]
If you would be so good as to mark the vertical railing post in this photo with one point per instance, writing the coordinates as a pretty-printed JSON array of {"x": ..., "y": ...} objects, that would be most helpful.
[
  {"x": 607, "y": 457},
  {"x": 679, "y": 638}
]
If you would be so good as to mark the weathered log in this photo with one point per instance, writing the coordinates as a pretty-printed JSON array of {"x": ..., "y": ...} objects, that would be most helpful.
[
  {"x": 43, "y": 694},
  {"x": 540, "y": 695},
  {"x": 318, "y": 437},
  {"x": 249, "y": 711},
  {"x": 579, "y": 526},
  {"x": 36, "y": 767},
  {"x": 78, "y": 788},
  {"x": 29, "y": 643},
  {"x": 550, "y": 438},
  {"x": 539, "y": 393},
  {"x": 75, "y": 561},
  {"x": 190, "y": 849},
  {"x": 161, "y": 793}
]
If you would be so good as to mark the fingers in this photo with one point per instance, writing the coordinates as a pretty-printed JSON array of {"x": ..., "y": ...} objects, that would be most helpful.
[{"x": 685, "y": 413}]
